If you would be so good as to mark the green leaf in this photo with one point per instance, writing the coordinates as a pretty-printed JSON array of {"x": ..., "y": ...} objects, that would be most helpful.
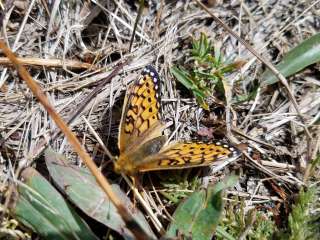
[
  {"x": 303, "y": 55},
  {"x": 201, "y": 48},
  {"x": 198, "y": 216},
  {"x": 184, "y": 78},
  {"x": 40, "y": 207},
  {"x": 81, "y": 188}
]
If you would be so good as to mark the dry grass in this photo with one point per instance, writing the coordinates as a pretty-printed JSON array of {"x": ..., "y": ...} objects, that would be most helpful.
[{"x": 95, "y": 37}]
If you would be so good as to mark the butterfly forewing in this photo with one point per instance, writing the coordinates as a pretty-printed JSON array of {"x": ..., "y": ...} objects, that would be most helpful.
[
  {"x": 186, "y": 155},
  {"x": 141, "y": 113}
]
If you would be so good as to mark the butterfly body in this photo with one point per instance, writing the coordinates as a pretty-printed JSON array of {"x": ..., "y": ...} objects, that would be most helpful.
[
  {"x": 131, "y": 163},
  {"x": 141, "y": 140}
]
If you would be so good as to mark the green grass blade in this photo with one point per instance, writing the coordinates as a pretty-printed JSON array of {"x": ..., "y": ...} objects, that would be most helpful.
[
  {"x": 40, "y": 207},
  {"x": 303, "y": 55}
]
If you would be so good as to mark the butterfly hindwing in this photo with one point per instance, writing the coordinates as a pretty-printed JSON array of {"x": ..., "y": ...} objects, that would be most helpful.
[
  {"x": 186, "y": 155},
  {"x": 141, "y": 111}
]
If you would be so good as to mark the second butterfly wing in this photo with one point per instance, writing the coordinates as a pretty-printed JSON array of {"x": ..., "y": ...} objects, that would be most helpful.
[{"x": 186, "y": 155}]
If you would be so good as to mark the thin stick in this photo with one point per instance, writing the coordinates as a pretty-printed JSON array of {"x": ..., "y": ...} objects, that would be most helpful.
[
  {"x": 134, "y": 227},
  {"x": 105, "y": 149},
  {"x": 141, "y": 2}
]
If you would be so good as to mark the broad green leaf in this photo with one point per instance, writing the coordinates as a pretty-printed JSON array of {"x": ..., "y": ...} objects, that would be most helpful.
[
  {"x": 303, "y": 55},
  {"x": 40, "y": 207},
  {"x": 81, "y": 188},
  {"x": 198, "y": 216}
]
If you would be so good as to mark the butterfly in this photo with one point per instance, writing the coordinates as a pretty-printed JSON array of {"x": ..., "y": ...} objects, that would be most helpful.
[{"x": 141, "y": 142}]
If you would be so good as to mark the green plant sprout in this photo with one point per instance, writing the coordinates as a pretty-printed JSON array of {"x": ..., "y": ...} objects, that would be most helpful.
[{"x": 206, "y": 72}]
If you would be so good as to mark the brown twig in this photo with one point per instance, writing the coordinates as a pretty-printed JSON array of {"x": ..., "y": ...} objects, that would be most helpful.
[{"x": 54, "y": 63}]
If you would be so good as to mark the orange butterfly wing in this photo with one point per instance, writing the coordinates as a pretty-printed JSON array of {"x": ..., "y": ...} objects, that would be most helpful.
[
  {"x": 140, "y": 133},
  {"x": 186, "y": 155},
  {"x": 140, "y": 120}
]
